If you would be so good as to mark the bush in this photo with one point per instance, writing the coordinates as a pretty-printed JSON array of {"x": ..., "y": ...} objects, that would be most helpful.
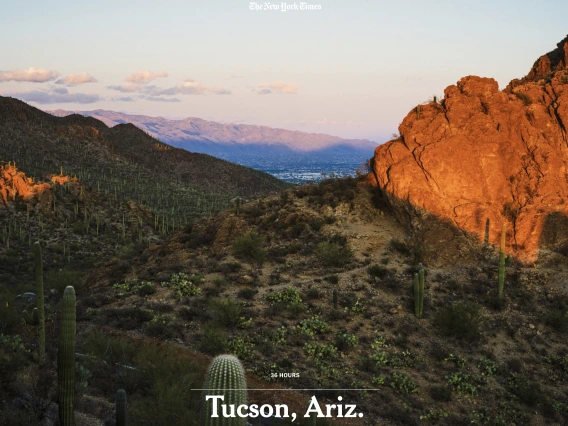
[
  {"x": 461, "y": 320},
  {"x": 248, "y": 247},
  {"x": 182, "y": 286},
  {"x": 557, "y": 318},
  {"x": 247, "y": 293},
  {"x": 332, "y": 254},
  {"x": 226, "y": 312},
  {"x": 61, "y": 278},
  {"x": 376, "y": 271},
  {"x": 287, "y": 297},
  {"x": 214, "y": 341}
]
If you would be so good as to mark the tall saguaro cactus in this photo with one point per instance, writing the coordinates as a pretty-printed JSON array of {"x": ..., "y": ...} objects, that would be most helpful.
[
  {"x": 226, "y": 377},
  {"x": 38, "y": 266},
  {"x": 121, "y": 407},
  {"x": 486, "y": 239},
  {"x": 66, "y": 359},
  {"x": 502, "y": 263},
  {"x": 419, "y": 293}
]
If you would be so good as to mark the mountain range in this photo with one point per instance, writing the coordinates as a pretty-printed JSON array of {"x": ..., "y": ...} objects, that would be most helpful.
[{"x": 210, "y": 137}]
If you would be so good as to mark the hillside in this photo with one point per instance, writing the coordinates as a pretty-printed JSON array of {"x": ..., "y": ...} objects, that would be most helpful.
[
  {"x": 483, "y": 155},
  {"x": 125, "y": 162},
  {"x": 198, "y": 135}
]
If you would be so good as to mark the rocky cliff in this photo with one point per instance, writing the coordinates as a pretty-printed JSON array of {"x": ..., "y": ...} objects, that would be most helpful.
[{"x": 481, "y": 153}]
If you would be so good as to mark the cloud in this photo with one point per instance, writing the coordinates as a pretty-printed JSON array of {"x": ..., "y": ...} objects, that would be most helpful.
[
  {"x": 278, "y": 86},
  {"x": 124, "y": 99},
  {"x": 74, "y": 79},
  {"x": 145, "y": 76},
  {"x": 31, "y": 75},
  {"x": 158, "y": 99},
  {"x": 56, "y": 96},
  {"x": 127, "y": 88},
  {"x": 233, "y": 77},
  {"x": 188, "y": 87}
]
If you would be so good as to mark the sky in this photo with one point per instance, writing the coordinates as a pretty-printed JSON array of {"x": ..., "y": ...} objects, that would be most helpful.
[{"x": 348, "y": 68}]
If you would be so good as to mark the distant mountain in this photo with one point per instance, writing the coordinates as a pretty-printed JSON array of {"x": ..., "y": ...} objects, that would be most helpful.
[{"x": 209, "y": 137}]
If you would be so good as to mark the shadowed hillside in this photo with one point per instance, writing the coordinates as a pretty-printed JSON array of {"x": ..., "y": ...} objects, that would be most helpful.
[{"x": 125, "y": 163}]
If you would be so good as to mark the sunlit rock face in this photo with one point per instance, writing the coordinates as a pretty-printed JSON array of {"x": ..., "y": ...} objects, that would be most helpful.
[{"x": 481, "y": 153}]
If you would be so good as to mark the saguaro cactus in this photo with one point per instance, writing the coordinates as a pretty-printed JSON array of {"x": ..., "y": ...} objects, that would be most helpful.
[
  {"x": 226, "y": 377},
  {"x": 38, "y": 266},
  {"x": 419, "y": 292},
  {"x": 121, "y": 407},
  {"x": 66, "y": 359},
  {"x": 502, "y": 263},
  {"x": 334, "y": 298},
  {"x": 486, "y": 239}
]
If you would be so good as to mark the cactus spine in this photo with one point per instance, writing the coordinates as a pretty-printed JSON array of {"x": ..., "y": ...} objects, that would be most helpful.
[
  {"x": 66, "y": 359},
  {"x": 40, "y": 304},
  {"x": 419, "y": 292},
  {"x": 502, "y": 263},
  {"x": 121, "y": 407},
  {"x": 226, "y": 377}
]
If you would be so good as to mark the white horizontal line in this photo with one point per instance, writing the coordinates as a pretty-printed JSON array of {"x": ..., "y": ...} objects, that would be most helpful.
[{"x": 286, "y": 389}]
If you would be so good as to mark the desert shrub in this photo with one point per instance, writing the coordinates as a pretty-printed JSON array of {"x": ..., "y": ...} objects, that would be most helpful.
[
  {"x": 403, "y": 384},
  {"x": 61, "y": 278},
  {"x": 247, "y": 293},
  {"x": 214, "y": 340},
  {"x": 170, "y": 376},
  {"x": 332, "y": 279},
  {"x": 527, "y": 391},
  {"x": 524, "y": 97},
  {"x": 186, "y": 313},
  {"x": 287, "y": 297},
  {"x": 376, "y": 271},
  {"x": 557, "y": 318},
  {"x": 226, "y": 312},
  {"x": 461, "y": 320},
  {"x": 182, "y": 285},
  {"x": 312, "y": 293},
  {"x": 399, "y": 246},
  {"x": 248, "y": 247},
  {"x": 332, "y": 254},
  {"x": 344, "y": 341}
]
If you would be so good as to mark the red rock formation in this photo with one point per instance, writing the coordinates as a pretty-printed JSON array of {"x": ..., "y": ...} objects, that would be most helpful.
[
  {"x": 484, "y": 154},
  {"x": 14, "y": 184}
]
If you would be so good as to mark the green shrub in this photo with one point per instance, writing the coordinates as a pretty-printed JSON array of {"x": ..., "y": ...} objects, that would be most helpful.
[
  {"x": 403, "y": 384},
  {"x": 226, "y": 312},
  {"x": 182, "y": 286},
  {"x": 461, "y": 320},
  {"x": 62, "y": 278},
  {"x": 214, "y": 341},
  {"x": 332, "y": 254},
  {"x": 248, "y": 247},
  {"x": 287, "y": 297},
  {"x": 247, "y": 293},
  {"x": 344, "y": 341},
  {"x": 376, "y": 271}
]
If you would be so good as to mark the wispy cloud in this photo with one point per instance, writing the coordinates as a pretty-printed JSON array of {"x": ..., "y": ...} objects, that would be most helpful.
[
  {"x": 56, "y": 96},
  {"x": 127, "y": 88},
  {"x": 158, "y": 99},
  {"x": 31, "y": 75},
  {"x": 234, "y": 77},
  {"x": 145, "y": 76},
  {"x": 188, "y": 87},
  {"x": 124, "y": 99},
  {"x": 278, "y": 87},
  {"x": 75, "y": 79}
]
